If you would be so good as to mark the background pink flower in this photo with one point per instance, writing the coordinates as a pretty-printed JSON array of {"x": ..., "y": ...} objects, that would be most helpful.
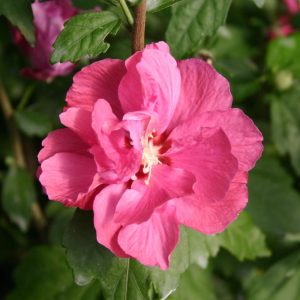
[
  {"x": 49, "y": 18},
  {"x": 149, "y": 144},
  {"x": 285, "y": 26}
]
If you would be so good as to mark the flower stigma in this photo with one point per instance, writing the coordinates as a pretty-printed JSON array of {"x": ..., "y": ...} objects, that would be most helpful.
[{"x": 150, "y": 155}]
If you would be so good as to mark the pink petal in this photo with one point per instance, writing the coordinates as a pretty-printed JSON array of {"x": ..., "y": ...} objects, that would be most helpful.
[
  {"x": 104, "y": 208},
  {"x": 49, "y": 18},
  {"x": 244, "y": 137},
  {"x": 208, "y": 157},
  {"x": 114, "y": 141},
  {"x": 80, "y": 121},
  {"x": 152, "y": 83},
  {"x": 152, "y": 242},
  {"x": 293, "y": 6},
  {"x": 138, "y": 203},
  {"x": 99, "y": 80},
  {"x": 202, "y": 89},
  {"x": 68, "y": 177},
  {"x": 214, "y": 217},
  {"x": 62, "y": 140}
]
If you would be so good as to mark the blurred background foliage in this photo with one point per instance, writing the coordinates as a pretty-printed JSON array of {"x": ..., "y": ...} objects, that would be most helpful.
[{"x": 256, "y": 258}]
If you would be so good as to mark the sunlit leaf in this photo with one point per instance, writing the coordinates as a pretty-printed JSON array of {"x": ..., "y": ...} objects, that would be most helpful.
[
  {"x": 84, "y": 35},
  {"x": 192, "y": 21}
]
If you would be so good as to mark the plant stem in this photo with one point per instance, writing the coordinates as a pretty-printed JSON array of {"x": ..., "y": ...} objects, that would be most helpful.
[
  {"x": 138, "y": 35},
  {"x": 8, "y": 113},
  {"x": 126, "y": 12}
]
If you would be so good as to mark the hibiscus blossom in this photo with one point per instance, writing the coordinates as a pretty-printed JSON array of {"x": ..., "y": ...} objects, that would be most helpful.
[
  {"x": 150, "y": 144},
  {"x": 48, "y": 19}
]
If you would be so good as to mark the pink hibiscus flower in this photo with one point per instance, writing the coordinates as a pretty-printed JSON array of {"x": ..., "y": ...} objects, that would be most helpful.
[
  {"x": 49, "y": 18},
  {"x": 150, "y": 144}
]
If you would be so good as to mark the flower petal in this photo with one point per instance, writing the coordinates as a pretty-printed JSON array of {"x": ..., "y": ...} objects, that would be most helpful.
[
  {"x": 138, "y": 203},
  {"x": 214, "y": 217},
  {"x": 244, "y": 137},
  {"x": 202, "y": 89},
  {"x": 104, "y": 208},
  {"x": 115, "y": 142},
  {"x": 152, "y": 84},
  {"x": 68, "y": 177},
  {"x": 62, "y": 140},
  {"x": 152, "y": 242},
  {"x": 99, "y": 80},
  {"x": 80, "y": 121},
  {"x": 208, "y": 157}
]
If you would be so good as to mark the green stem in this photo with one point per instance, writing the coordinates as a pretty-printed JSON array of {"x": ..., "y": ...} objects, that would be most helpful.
[{"x": 126, "y": 12}]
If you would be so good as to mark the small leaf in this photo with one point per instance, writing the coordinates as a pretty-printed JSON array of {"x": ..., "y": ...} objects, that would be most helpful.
[
  {"x": 19, "y": 13},
  {"x": 281, "y": 281},
  {"x": 243, "y": 239},
  {"x": 192, "y": 21},
  {"x": 33, "y": 123},
  {"x": 84, "y": 35},
  {"x": 18, "y": 195}
]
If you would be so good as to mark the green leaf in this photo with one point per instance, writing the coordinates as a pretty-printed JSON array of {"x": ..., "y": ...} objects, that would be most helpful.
[
  {"x": 273, "y": 204},
  {"x": 84, "y": 35},
  {"x": 44, "y": 274},
  {"x": 88, "y": 259},
  {"x": 120, "y": 278},
  {"x": 243, "y": 239},
  {"x": 283, "y": 54},
  {"x": 33, "y": 123},
  {"x": 18, "y": 195},
  {"x": 259, "y": 3},
  {"x": 195, "y": 283},
  {"x": 281, "y": 281},
  {"x": 192, "y": 21},
  {"x": 285, "y": 116},
  {"x": 193, "y": 248},
  {"x": 19, "y": 13}
]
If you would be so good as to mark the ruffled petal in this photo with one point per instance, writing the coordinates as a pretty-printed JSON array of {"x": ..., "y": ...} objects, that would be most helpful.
[
  {"x": 104, "y": 208},
  {"x": 244, "y": 137},
  {"x": 80, "y": 121},
  {"x": 68, "y": 177},
  {"x": 202, "y": 89},
  {"x": 138, "y": 203},
  {"x": 62, "y": 140},
  {"x": 152, "y": 242},
  {"x": 214, "y": 217},
  {"x": 99, "y": 80},
  {"x": 208, "y": 158},
  {"x": 125, "y": 160},
  {"x": 152, "y": 84}
]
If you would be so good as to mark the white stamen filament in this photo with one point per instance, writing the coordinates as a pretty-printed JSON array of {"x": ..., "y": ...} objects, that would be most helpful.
[{"x": 150, "y": 156}]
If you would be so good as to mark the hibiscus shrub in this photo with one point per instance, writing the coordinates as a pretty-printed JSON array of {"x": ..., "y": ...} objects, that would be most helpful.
[{"x": 164, "y": 171}]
